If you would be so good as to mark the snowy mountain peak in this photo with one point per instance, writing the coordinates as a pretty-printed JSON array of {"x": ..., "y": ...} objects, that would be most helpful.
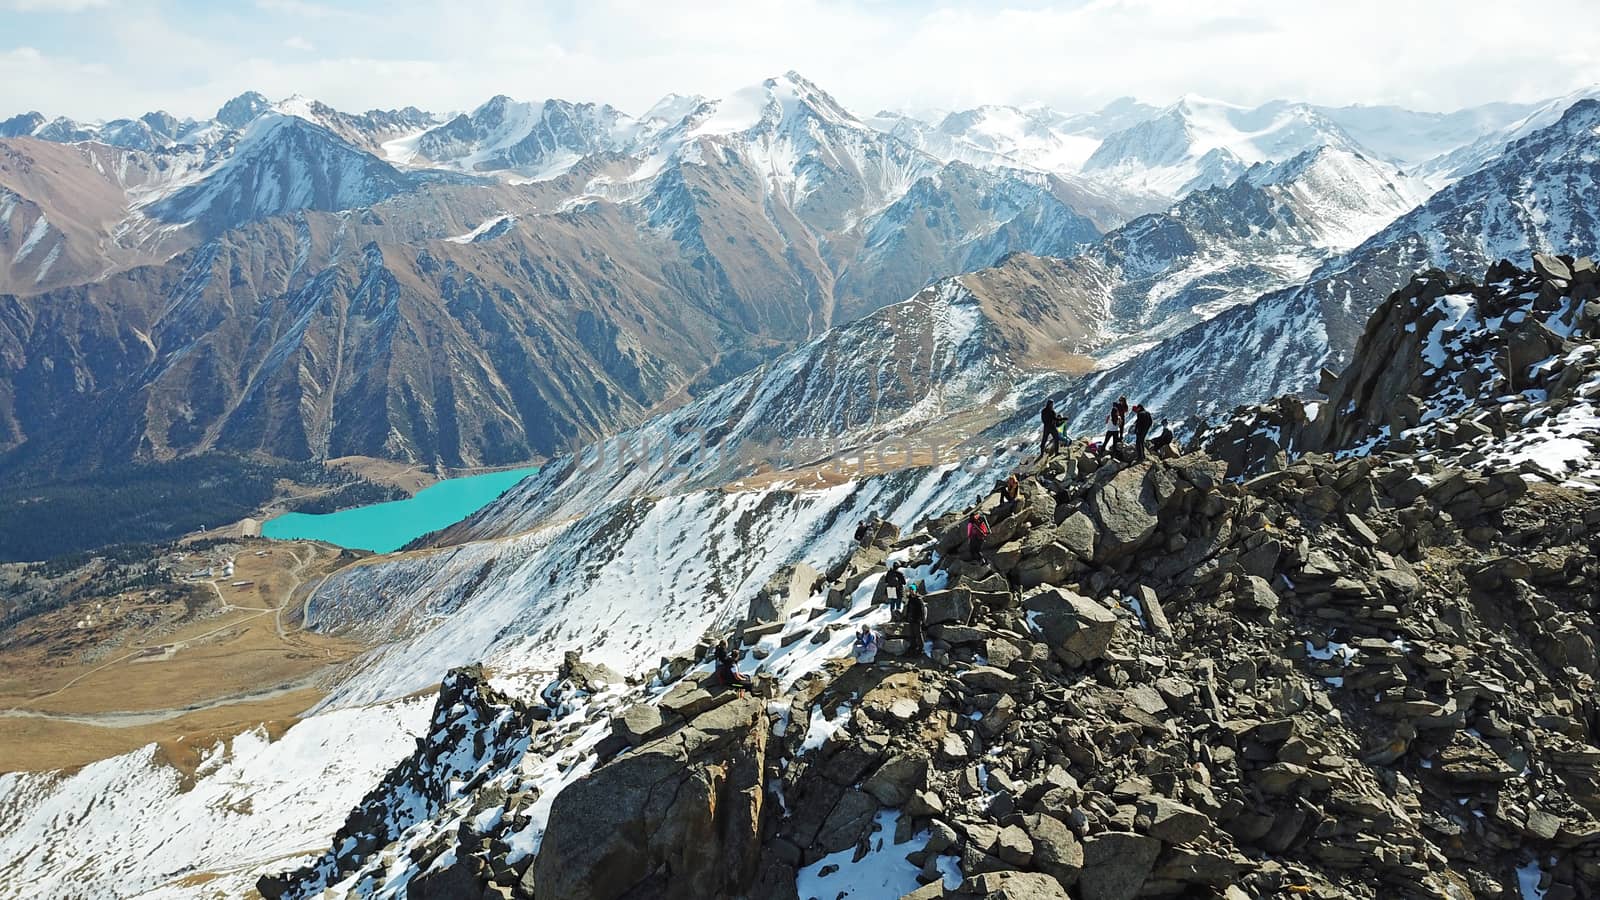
[
  {"x": 1198, "y": 142},
  {"x": 779, "y": 103},
  {"x": 243, "y": 109}
]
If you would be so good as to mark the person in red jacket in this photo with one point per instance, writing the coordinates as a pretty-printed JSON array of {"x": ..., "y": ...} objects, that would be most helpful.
[{"x": 977, "y": 530}]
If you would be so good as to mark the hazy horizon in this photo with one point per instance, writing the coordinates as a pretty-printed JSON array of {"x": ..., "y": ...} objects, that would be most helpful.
[{"x": 105, "y": 59}]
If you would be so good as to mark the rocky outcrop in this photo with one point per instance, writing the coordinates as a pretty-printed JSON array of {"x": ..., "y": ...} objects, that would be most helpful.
[
  {"x": 678, "y": 817},
  {"x": 474, "y": 734}
]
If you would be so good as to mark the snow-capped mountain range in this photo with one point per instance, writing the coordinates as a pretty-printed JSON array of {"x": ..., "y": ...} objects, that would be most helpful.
[{"x": 785, "y": 269}]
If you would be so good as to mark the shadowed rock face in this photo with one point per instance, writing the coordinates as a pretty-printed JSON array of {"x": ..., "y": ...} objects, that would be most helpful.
[{"x": 676, "y": 818}]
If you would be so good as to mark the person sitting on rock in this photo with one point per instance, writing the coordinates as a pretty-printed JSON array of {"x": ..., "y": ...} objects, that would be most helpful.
[
  {"x": 730, "y": 675},
  {"x": 1162, "y": 440},
  {"x": 977, "y": 530},
  {"x": 1142, "y": 420},
  {"x": 1010, "y": 490},
  {"x": 894, "y": 586},
  {"x": 866, "y": 646}
]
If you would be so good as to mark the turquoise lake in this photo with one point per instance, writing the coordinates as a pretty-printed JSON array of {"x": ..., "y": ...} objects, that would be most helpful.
[{"x": 385, "y": 527}]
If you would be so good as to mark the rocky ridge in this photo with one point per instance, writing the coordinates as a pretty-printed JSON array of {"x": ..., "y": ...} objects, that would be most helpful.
[{"x": 1332, "y": 679}]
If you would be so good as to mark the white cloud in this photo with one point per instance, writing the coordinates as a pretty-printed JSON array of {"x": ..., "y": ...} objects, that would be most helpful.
[
  {"x": 52, "y": 5},
  {"x": 1430, "y": 54},
  {"x": 299, "y": 43}
]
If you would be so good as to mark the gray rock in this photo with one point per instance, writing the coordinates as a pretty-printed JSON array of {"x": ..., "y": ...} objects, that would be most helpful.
[
  {"x": 1257, "y": 595},
  {"x": 639, "y": 723},
  {"x": 1077, "y": 533},
  {"x": 1077, "y": 629},
  {"x": 954, "y": 605},
  {"x": 1015, "y": 846},
  {"x": 693, "y": 797},
  {"x": 1171, "y": 822},
  {"x": 1125, "y": 509},
  {"x": 1116, "y": 864},
  {"x": 1056, "y": 850},
  {"x": 896, "y": 780}
]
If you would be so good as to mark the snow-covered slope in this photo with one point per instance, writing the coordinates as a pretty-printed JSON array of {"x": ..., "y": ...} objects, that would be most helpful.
[
  {"x": 635, "y": 546},
  {"x": 534, "y": 140},
  {"x": 1408, "y": 138},
  {"x": 1462, "y": 161},
  {"x": 134, "y": 824},
  {"x": 1035, "y": 137},
  {"x": 1223, "y": 246},
  {"x": 281, "y": 164},
  {"x": 1198, "y": 143},
  {"x": 1538, "y": 196}
]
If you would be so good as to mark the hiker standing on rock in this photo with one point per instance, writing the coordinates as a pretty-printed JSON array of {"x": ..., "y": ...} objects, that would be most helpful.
[
  {"x": 1050, "y": 439},
  {"x": 726, "y": 671},
  {"x": 1142, "y": 420},
  {"x": 861, "y": 533},
  {"x": 916, "y": 614},
  {"x": 894, "y": 586},
  {"x": 977, "y": 530}
]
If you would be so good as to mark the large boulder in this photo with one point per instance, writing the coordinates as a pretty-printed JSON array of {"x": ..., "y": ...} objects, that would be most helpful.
[
  {"x": 953, "y": 605},
  {"x": 1125, "y": 509},
  {"x": 1116, "y": 864},
  {"x": 676, "y": 818},
  {"x": 1056, "y": 850},
  {"x": 1077, "y": 629},
  {"x": 784, "y": 592}
]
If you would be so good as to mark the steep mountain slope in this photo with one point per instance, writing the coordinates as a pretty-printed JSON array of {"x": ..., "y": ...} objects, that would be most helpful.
[
  {"x": 1298, "y": 680},
  {"x": 281, "y": 164},
  {"x": 63, "y": 213},
  {"x": 1034, "y": 138},
  {"x": 1535, "y": 197},
  {"x": 1224, "y": 246},
  {"x": 1198, "y": 143},
  {"x": 530, "y": 139}
]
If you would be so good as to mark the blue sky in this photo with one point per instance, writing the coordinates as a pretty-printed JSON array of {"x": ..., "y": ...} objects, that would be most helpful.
[{"x": 107, "y": 58}]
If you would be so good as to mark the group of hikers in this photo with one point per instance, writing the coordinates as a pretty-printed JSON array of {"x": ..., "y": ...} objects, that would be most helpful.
[
  {"x": 1117, "y": 426},
  {"x": 905, "y": 599}
]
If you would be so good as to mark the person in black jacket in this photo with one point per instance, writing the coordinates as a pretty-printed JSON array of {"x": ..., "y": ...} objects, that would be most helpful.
[
  {"x": 916, "y": 614},
  {"x": 1163, "y": 438},
  {"x": 726, "y": 671},
  {"x": 894, "y": 588},
  {"x": 1050, "y": 439},
  {"x": 1142, "y": 420}
]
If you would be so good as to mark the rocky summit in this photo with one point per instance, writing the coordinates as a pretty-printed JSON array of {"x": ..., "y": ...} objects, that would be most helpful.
[{"x": 1333, "y": 649}]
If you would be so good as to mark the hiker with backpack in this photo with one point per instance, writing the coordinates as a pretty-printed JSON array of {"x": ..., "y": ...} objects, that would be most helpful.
[
  {"x": 894, "y": 586},
  {"x": 1050, "y": 439},
  {"x": 1142, "y": 420}
]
